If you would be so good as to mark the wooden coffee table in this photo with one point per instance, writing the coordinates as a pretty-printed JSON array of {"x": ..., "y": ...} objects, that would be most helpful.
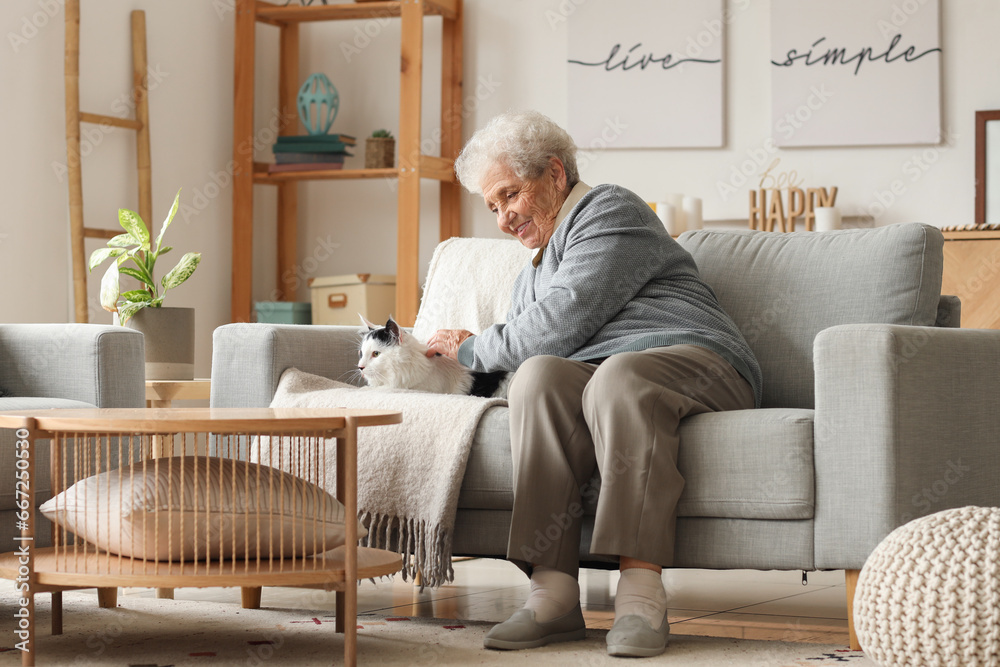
[{"x": 85, "y": 440}]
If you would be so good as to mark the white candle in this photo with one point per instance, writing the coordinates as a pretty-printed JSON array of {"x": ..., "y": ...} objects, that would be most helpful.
[
  {"x": 665, "y": 212},
  {"x": 692, "y": 212},
  {"x": 827, "y": 218},
  {"x": 677, "y": 201}
]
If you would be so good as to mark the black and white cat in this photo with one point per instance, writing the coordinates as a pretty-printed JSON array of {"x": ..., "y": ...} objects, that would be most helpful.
[{"x": 392, "y": 357}]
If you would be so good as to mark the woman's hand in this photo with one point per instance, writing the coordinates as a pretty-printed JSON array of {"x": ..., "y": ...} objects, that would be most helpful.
[{"x": 447, "y": 342}]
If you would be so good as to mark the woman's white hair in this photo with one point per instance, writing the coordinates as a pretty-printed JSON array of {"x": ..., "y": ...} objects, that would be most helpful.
[{"x": 524, "y": 141}]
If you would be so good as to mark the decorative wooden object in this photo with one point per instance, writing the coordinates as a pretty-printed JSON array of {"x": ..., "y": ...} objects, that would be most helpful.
[
  {"x": 93, "y": 441},
  {"x": 74, "y": 117},
  {"x": 982, "y": 118},
  {"x": 851, "y": 581},
  {"x": 769, "y": 212},
  {"x": 413, "y": 165},
  {"x": 972, "y": 273},
  {"x": 162, "y": 393}
]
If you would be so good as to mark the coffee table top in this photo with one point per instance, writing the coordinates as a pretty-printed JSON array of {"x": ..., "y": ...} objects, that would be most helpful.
[{"x": 214, "y": 420}]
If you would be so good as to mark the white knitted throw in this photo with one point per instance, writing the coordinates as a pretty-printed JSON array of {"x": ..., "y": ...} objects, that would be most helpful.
[
  {"x": 409, "y": 475},
  {"x": 468, "y": 284},
  {"x": 930, "y": 592}
]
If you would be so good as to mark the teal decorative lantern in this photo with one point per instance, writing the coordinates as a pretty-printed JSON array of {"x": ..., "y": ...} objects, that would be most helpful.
[{"x": 318, "y": 104}]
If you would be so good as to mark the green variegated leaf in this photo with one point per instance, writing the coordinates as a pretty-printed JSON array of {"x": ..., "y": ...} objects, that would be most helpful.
[
  {"x": 133, "y": 224},
  {"x": 137, "y": 274},
  {"x": 121, "y": 241},
  {"x": 148, "y": 261},
  {"x": 136, "y": 295},
  {"x": 163, "y": 251},
  {"x": 127, "y": 310},
  {"x": 109, "y": 288},
  {"x": 143, "y": 267},
  {"x": 170, "y": 217},
  {"x": 138, "y": 257},
  {"x": 182, "y": 271},
  {"x": 102, "y": 254}
]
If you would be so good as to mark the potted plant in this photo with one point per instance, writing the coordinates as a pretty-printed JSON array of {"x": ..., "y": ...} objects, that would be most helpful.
[
  {"x": 169, "y": 332},
  {"x": 379, "y": 150}
]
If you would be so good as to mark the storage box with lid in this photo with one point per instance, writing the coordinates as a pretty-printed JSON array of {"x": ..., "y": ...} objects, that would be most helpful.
[{"x": 339, "y": 299}]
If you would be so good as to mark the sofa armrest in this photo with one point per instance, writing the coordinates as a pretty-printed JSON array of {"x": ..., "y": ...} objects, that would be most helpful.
[
  {"x": 906, "y": 425},
  {"x": 98, "y": 364},
  {"x": 248, "y": 359}
]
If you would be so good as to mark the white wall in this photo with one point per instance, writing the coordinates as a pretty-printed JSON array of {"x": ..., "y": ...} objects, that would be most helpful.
[
  {"x": 190, "y": 55},
  {"x": 514, "y": 59}
]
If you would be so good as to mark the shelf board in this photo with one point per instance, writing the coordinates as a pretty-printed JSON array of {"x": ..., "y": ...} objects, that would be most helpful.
[
  {"x": 268, "y": 12},
  {"x": 260, "y": 174},
  {"x": 100, "y": 568},
  {"x": 972, "y": 235}
]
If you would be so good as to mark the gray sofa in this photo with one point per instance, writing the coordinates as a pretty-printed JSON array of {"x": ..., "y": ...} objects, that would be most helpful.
[
  {"x": 877, "y": 409},
  {"x": 61, "y": 366}
]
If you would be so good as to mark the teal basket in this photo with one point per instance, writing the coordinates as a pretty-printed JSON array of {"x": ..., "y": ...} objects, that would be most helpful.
[{"x": 284, "y": 312}]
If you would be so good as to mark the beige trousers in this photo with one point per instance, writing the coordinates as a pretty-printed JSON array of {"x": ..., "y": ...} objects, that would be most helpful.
[{"x": 622, "y": 416}]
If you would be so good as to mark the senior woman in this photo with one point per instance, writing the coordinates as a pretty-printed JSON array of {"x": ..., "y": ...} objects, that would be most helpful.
[{"x": 615, "y": 338}]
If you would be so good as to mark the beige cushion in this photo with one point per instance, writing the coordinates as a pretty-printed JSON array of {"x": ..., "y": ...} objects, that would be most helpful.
[{"x": 186, "y": 508}]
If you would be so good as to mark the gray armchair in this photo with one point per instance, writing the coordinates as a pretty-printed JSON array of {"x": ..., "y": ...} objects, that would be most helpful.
[
  {"x": 876, "y": 409},
  {"x": 62, "y": 366}
]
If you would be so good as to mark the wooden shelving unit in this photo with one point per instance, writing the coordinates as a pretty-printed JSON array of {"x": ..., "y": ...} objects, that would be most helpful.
[{"x": 412, "y": 167}]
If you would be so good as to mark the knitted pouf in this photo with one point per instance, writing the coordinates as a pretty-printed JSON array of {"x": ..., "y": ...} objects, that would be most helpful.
[{"x": 930, "y": 592}]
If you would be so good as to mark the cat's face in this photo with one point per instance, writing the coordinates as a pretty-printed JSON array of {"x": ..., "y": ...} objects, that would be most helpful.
[{"x": 378, "y": 346}]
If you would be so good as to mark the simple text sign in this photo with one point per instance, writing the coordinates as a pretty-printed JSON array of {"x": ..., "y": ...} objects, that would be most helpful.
[
  {"x": 646, "y": 74},
  {"x": 855, "y": 72}
]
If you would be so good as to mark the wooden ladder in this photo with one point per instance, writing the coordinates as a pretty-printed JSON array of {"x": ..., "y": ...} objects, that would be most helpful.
[{"x": 74, "y": 117}]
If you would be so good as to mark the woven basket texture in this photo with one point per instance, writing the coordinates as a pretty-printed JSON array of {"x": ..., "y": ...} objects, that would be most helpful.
[{"x": 929, "y": 594}]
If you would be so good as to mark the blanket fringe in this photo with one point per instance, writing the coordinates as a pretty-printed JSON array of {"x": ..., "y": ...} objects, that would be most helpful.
[{"x": 425, "y": 547}]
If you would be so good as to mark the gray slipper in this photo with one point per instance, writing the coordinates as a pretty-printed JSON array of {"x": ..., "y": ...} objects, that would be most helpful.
[
  {"x": 633, "y": 636},
  {"x": 521, "y": 630}
]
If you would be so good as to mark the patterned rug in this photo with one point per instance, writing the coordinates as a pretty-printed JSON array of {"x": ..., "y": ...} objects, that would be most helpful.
[{"x": 149, "y": 632}]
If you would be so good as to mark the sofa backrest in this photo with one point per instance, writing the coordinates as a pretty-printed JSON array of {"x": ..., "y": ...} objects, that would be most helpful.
[
  {"x": 783, "y": 289},
  {"x": 780, "y": 289}
]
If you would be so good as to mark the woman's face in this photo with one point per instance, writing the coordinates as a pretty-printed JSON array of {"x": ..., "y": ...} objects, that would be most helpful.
[{"x": 526, "y": 209}]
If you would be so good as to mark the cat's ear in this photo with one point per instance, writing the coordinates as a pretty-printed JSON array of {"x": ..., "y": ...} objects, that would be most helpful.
[
  {"x": 365, "y": 323},
  {"x": 393, "y": 328}
]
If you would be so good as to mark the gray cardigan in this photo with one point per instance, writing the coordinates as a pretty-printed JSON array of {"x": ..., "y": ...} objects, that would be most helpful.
[{"x": 610, "y": 280}]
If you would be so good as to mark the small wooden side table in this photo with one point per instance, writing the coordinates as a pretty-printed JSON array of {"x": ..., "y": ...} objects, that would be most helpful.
[{"x": 162, "y": 393}]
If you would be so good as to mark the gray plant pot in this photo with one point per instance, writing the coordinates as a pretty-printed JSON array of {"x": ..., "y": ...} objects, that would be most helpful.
[{"x": 169, "y": 340}]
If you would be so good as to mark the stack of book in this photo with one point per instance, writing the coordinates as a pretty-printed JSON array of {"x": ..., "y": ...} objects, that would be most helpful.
[{"x": 311, "y": 152}]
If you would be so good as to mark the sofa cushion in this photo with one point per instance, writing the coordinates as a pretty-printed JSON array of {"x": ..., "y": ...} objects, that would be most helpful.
[
  {"x": 748, "y": 464},
  {"x": 43, "y": 489},
  {"x": 488, "y": 483},
  {"x": 783, "y": 289},
  {"x": 159, "y": 510},
  {"x": 745, "y": 464}
]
